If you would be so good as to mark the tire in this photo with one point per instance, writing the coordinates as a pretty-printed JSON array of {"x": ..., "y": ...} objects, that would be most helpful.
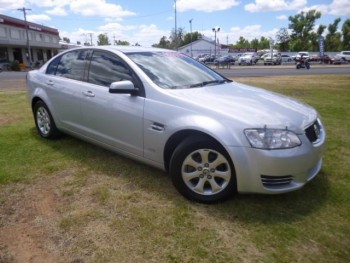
[
  {"x": 298, "y": 66},
  {"x": 202, "y": 171},
  {"x": 44, "y": 122}
]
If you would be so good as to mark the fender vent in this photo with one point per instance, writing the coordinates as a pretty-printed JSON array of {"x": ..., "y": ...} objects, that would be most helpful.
[
  {"x": 313, "y": 131},
  {"x": 268, "y": 180}
]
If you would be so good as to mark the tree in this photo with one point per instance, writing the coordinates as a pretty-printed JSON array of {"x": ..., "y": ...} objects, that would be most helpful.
[
  {"x": 177, "y": 39},
  {"x": 315, "y": 38},
  {"x": 321, "y": 29},
  {"x": 264, "y": 43},
  {"x": 283, "y": 38},
  {"x": 254, "y": 43},
  {"x": 163, "y": 43},
  {"x": 346, "y": 35},
  {"x": 122, "y": 43},
  {"x": 242, "y": 43},
  {"x": 302, "y": 25},
  {"x": 66, "y": 39},
  {"x": 333, "y": 38},
  {"x": 187, "y": 37},
  {"x": 103, "y": 40}
]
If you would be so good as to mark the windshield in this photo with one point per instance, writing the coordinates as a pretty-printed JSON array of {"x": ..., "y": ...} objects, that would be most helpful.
[{"x": 171, "y": 70}]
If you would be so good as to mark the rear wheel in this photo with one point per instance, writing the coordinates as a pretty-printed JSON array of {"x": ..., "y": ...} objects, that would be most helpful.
[
  {"x": 44, "y": 121},
  {"x": 202, "y": 171}
]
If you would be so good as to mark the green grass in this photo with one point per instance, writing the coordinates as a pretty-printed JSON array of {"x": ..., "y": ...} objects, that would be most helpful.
[{"x": 112, "y": 209}]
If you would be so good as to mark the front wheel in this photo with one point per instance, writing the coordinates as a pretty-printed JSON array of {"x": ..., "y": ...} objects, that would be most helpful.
[
  {"x": 44, "y": 121},
  {"x": 202, "y": 171}
]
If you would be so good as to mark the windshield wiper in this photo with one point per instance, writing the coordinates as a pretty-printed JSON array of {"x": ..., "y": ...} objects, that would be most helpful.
[{"x": 205, "y": 83}]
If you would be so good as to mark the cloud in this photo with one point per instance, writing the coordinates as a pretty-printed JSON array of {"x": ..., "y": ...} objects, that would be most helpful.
[
  {"x": 57, "y": 11},
  {"x": 248, "y": 32},
  {"x": 282, "y": 17},
  {"x": 205, "y": 5},
  {"x": 115, "y": 27},
  {"x": 275, "y": 5},
  {"x": 340, "y": 7},
  {"x": 11, "y": 5},
  {"x": 145, "y": 35},
  {"x": 38, "y": 18},
  {"x": 99, "y": 8},
  {"x": 337, "y": 8}
]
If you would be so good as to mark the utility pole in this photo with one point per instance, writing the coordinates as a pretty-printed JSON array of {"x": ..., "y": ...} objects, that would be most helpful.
[
  {"x": 90, "y": 38},
  {"x": 191, "y": 35},
  {"x": 215, "y": 30},
  {"x": 176, "y": 44},
  {"x": 24, "y": 10}
]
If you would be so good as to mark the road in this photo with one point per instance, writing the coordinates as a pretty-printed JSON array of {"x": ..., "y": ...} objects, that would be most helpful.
[
  {"x": 8, "y": 78},
  {"x": 258, "y": 71}
]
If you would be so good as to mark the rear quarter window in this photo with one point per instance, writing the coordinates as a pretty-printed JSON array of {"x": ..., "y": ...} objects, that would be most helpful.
[{"x": 51, "y": 69}]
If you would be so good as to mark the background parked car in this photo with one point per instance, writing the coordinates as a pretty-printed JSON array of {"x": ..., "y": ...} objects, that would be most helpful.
[
  {"x": 286, "y": 58},
  {"x": 345, "y": 56},
  {"x": 200, "y": 57},
  {"x": 303, "y": 54},
  {"x": 316, "y": 58},
  {"x": 274, "y": 60},
  {"x": 4, "y": 64},
  {"x": 248, "y": 58},
  {"x": 226, "y": 59},
  {"x": 336, "y": 60},
  {"x": 207, "y": 58}
]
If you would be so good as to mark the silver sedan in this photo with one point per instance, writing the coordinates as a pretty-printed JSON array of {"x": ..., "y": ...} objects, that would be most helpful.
[{"x": 214, "y": 136}]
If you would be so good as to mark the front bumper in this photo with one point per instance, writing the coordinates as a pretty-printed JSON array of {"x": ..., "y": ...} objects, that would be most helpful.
[{"x": 277, "y": 171}]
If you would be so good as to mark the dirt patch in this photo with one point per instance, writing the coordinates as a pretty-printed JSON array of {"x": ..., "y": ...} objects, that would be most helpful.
[
  {"x": 28, "y": 217},
  {"x": 7, "y": 120},
  {"x": 13, "y": 84}
]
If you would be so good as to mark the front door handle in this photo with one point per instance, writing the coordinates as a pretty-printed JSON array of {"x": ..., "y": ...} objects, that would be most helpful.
[{"x": 88, "y": 94}]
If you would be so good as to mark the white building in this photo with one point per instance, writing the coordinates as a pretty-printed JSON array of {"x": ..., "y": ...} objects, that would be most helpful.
[
  {"x": 43, "y": 41},
  {"x": 203, "y": 46}
]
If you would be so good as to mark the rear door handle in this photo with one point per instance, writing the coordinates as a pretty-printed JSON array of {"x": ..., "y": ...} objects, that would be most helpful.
[
  {"x": 88, "y": 94},
  {"x": 50, "y": 82}
]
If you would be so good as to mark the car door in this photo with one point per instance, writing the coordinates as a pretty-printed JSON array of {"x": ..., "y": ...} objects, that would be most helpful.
[
  {"x": 64, "y": 79},
  {"x": 115, "y": 120}
]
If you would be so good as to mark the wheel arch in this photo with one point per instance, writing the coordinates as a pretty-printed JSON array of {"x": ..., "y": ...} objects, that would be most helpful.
[
  {"x": 35, "y": 100},
  {"x": 180, "y": 136}
]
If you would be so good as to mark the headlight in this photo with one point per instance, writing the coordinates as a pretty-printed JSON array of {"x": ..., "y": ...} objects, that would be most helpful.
[{"x": 272, "y": 138}]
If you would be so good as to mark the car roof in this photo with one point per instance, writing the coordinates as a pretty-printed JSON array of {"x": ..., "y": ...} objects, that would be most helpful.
[{"x": 126, "y": 49}]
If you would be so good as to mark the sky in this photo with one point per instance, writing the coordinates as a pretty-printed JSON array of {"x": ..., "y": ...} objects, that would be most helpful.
[{"x": 146, "y": 21}]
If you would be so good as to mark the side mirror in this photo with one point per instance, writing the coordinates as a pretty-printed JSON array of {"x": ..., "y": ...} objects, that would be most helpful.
[{"x": 123, "y": 87}]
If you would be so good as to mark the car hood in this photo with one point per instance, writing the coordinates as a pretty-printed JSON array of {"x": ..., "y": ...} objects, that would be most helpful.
[{"x": 249, "y": 106}]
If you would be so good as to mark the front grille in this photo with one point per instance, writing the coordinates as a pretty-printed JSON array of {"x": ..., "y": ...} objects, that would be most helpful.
[
  {"x": 268, "y": 180},
  {"x": 313, "y": 131}
]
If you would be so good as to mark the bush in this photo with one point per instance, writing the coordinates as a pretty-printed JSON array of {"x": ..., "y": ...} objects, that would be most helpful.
[{"x": 14, "y": 65}]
